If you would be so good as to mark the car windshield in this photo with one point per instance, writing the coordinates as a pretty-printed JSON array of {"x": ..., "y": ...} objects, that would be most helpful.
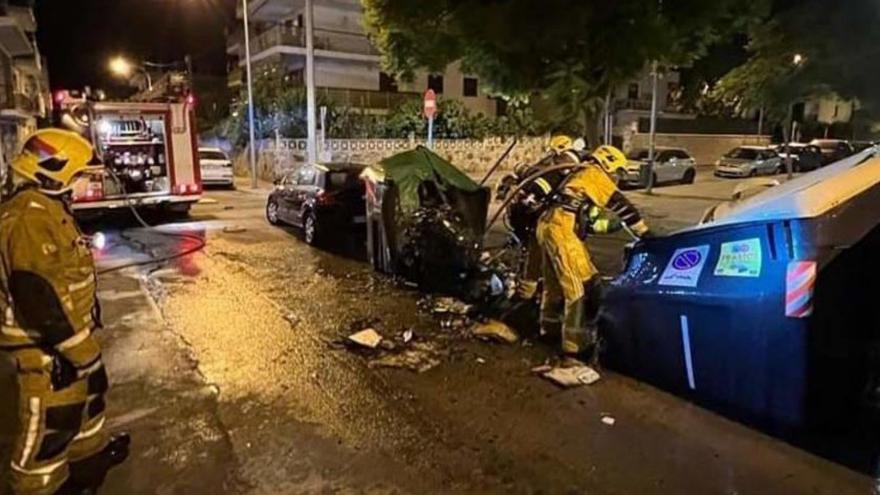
[
  {"x": 743, "y": 154},
  {"x": 639, "y": 154},
  {"x": 348, "y": 179},
  {"x": 212, "y": 155}
]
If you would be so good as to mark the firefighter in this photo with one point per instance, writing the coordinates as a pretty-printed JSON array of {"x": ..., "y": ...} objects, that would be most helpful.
[
  {"x": 50, "y": 311},
  {"x": 570, "y": 298},
  {"x": 525, "y": 212}
]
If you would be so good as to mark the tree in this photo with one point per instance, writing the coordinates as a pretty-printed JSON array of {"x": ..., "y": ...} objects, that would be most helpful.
[
  {"x": 806, "y": 48},
  {"x": 569, "y": 52}
]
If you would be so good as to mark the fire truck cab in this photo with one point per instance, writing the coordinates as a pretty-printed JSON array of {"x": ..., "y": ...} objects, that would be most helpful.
[{"x": 147, "y": 155}]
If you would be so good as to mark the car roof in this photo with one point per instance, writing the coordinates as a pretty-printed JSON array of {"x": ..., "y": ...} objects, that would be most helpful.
[
  {"x": 752, "y": 147},
  {"x": 827, "y": 141}
]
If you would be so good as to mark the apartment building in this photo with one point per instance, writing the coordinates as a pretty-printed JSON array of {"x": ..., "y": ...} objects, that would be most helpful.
[
  {"x": 347, "y": 65},
  {"x": 24, "y": 79}
]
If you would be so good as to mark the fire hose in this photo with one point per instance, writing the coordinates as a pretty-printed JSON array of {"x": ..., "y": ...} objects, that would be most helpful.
[{"x": 200, "y": 242}]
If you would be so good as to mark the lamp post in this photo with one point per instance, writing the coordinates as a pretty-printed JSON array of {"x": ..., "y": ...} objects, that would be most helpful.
[{"x": 250, "y": 94}]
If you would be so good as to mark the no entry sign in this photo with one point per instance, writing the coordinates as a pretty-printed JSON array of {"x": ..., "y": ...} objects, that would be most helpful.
[{"x": 430, "y": 104}]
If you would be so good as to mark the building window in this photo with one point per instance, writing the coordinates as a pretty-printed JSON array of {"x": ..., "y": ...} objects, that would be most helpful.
[
  {"x": 471, "y": 86},
  {"x": 387, "y": 83},
  {"x": 299, "y": 21},
  {"x": 435, "y": 82},
  {"x": 633, "y": 91}
]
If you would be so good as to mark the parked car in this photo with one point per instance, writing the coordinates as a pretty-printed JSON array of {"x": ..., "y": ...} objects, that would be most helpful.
[
  {"x": 216, "y": 167},
  {"x": 670, "y": 165},
  {"x": 859, "y": 146},
  {"x": 319, "y": 199},
  {"x": 804, "y": 157},
  {"x": 833, "y": 149},
  {"x": 748, "y": 161}
]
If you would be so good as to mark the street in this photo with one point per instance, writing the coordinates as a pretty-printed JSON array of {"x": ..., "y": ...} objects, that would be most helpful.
[{"x": 227, "y": 369}]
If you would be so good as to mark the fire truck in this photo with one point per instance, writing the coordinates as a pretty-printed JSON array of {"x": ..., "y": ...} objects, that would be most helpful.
[{"x": 146, "y": 153}]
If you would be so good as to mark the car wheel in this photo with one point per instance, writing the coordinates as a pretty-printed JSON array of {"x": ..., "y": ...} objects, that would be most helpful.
[
  {"x": 310, "y": 229},
  {"x": 272, "y": 212},
  {"x": 753, "y": 172},
  {"x": 619, "y": 178},
  {"x": 689, "y": 176}
]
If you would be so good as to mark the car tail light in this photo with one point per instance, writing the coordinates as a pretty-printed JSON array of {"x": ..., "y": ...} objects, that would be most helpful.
[
  {"x": 94, "y": 191},
  {"x": 324, "y": 198},
  {"x": 187, "y": 189}
]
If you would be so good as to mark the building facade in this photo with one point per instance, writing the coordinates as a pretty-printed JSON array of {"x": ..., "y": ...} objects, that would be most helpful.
[
  {"x": 24, "y": 79},
  {"x": 347, "y": 65}
]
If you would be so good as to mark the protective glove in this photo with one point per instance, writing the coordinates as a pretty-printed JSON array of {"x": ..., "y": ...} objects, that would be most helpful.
[{"x": 64, "y": 373}]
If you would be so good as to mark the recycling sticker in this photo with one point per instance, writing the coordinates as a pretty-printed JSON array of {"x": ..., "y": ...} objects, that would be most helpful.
[
  {"x": 685, "y": 267},
  {"x": 740, "y": 259}
]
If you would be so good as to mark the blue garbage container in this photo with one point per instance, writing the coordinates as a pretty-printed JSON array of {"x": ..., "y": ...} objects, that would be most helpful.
[{"x": 766, "y": 315}]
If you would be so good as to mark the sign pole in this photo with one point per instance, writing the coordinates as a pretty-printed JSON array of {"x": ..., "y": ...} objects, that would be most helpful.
[{"x": 430, "y": 111}]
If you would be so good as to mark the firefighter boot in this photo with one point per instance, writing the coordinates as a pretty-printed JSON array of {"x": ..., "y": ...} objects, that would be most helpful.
[{"x": 88, "y": 474}]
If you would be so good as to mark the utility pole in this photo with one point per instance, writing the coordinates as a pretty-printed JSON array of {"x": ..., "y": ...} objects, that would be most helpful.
[
  {"x": 652, "y": 145},
  {"x": 250, "y": 91},
  {"x": 312, "y": 146}
]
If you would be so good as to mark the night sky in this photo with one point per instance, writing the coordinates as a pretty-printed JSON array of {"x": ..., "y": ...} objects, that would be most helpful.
[{"x": 78, "y": 37}]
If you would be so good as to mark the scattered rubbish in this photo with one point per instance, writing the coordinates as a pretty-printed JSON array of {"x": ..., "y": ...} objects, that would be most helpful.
[
  {"x": 366, "y": 338},
  {"x": 450, "y": 305},
  {"x": 407, "y": 336},
  {"x": 609, "y": 420},
  {"x": 234, "y": 229},
  {"x": 387, "y": 345},
  {"x": 420, "y": 357},
  {"x": 481, "y": 360},
  {"x": 229, "y": 207},
  {"x": 540, "y": 370},
  {"x": 572, "y": 376},
  {"x": 496, "y": 331}
]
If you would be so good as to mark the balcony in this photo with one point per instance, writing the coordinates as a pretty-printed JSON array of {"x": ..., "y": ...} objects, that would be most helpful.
[
  {"x": 20, "y": 105},
  {"x": 15, "y": 24},
  {"x": 328, "y": 43}
]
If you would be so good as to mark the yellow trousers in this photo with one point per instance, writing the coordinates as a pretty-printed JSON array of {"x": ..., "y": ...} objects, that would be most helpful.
[
  {"x": 567, "y": 267},
  {"x": 55, "y": 427}
]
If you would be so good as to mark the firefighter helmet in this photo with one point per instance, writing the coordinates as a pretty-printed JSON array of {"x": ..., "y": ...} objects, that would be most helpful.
[
  {"x": 609, "y": 158},
  {"x": 53, "y": 159},
  {"x": 561, "y": 143}
]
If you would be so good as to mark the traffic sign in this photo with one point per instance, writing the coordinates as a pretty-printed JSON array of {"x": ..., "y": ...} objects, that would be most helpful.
[{"x": 430, "y": 104}]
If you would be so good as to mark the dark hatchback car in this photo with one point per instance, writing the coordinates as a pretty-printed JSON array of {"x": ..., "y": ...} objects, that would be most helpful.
[{"x": 320, "y": 199}]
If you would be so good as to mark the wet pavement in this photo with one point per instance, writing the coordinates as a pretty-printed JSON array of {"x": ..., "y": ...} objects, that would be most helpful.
[{"x": 230, "y": 368}]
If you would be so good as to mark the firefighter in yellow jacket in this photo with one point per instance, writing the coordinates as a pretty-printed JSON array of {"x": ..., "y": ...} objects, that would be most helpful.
[
  {"x": 570, "y": 278},
  {"x": 49, "y": 309}
]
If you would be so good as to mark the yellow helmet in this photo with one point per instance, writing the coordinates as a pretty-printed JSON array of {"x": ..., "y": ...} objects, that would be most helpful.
[
  {"x": 53, "y": 159},
  {"x": 561, "y": 143},
  {"x": 609, "y": 158}
]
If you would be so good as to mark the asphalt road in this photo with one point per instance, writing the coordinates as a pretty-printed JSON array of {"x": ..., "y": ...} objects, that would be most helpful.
[{"x": 229, "y": 370}]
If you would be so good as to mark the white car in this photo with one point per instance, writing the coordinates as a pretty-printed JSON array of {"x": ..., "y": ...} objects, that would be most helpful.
[
  {"x": 670, "y": 165},
  {"x": 216, "y": 167},
  {"x": 749, "y": 161}
]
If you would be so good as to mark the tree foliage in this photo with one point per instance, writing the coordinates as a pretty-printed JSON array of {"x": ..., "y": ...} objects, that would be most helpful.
[
  {"x": 280, "y": 106},
  {"x": 837, "y": 48},
  {"x": 569, "y": 51}
]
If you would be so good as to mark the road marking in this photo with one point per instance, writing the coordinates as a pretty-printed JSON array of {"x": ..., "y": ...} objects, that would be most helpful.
[{"x": 686, "y": 342}]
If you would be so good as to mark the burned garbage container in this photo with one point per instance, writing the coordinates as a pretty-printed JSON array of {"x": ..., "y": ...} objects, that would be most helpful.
[
  {"x": 425, "y": 220},
  {"x": 766, "y": 314}
]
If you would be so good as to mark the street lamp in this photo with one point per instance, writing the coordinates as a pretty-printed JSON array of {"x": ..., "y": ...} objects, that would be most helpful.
[{"x": 123, "y": 68}]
